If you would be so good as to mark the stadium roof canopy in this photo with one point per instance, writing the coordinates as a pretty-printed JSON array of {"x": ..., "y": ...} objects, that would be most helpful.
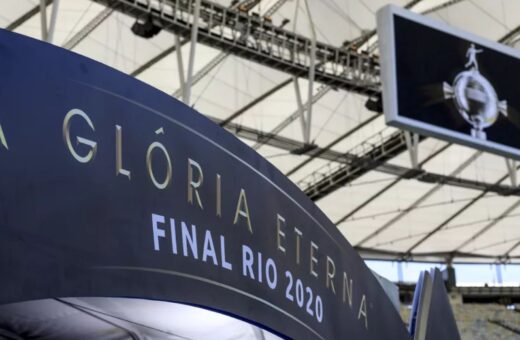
[{"x": 253, "y": 60}]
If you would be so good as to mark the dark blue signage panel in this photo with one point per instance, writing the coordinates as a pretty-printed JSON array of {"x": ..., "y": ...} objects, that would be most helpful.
[{"x": 109, "y": 187}]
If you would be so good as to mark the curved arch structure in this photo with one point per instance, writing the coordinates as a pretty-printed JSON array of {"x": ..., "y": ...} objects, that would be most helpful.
[{"x": 111, "y": 188}]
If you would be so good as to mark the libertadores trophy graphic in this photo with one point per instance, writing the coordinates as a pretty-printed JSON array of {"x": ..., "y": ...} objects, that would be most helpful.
[{"x": 474, "y": 96}]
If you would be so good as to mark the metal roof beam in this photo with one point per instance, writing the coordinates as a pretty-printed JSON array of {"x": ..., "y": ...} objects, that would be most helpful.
[
  {"x": 259, "y": 40},
  {"x": 490, "y": 225},
  {"x": 245, "y": 5},
  {"x": 254, "y": 102},
  {"x": 510, "y": 37},
  {"x": 322, "y": 91},
  {"x": 200, "y": 74},
  {"x": 157, "y": 58},
  {"x": 485, "y": 190},
  {"x": 330, "y": 178},
  {"x": 499, "y": 243},
  {"x": 323, "y": 184},
  {"x": 368, "y": 201},
  {"x": 26, "y": 16},
  {"x": 292, "y": 145},
  {"x": 88, "y": 28},
  {"x": 163, "y": 54},
  {"x": 366, "y": 156},
  {"x": 332, "y": 144},
  {"x": 276, "y": 141},
  {"x": 446, "y": 222},
  {"x": 363, "y": 39},
  {"x": 274, "y": 8},
  {"x": 434, "y": 178},
  {"x": 378, "y": 254},
  {"x": 52, "y": 24},
  {"x": 510, "y": 250},
  {"x": 43, "y": 20},
  {"x": 421, "y": 199},
  {"x": 387, "y": 187},
  {"x": 411, "y": 4}
]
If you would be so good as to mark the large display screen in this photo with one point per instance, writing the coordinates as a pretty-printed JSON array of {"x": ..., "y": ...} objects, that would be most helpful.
[{"x": 446, "y": 83}]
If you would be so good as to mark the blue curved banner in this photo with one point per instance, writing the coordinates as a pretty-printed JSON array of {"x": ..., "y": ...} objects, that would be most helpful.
[{"x": 109, "y": 187}]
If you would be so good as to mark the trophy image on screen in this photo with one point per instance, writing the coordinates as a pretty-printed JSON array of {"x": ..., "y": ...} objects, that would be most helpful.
[{"x": 474, "y": 96}]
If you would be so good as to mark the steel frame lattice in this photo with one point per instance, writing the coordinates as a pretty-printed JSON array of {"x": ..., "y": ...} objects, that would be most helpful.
[{"x": 257, "y": 39}]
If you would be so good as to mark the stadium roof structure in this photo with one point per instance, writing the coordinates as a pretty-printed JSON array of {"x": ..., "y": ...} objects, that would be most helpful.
[{"x": 298, "y": 80}]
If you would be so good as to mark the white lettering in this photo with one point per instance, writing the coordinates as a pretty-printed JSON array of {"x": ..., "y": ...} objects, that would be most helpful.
[
  {"x": 247, "y": 262},
  {"x": 189, "y": 238},
  {"x": 225, "y": 264},
  {"x": 363, "y": 310},
  {"x": 174, "y": 236},
  {"x": 80, "y": 140},
  {"x": 271, "y": 273},
  {"x": 209, "y": 249},
  {"x": 2, "y": 138},
  {"x": 156, "y": 231}
]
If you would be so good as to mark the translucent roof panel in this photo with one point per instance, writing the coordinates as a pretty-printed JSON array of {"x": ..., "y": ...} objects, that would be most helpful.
[
  {"x": 343, "y": 201},
  {"x": 14, "y": 9},
  {"x": 419, "y": 220}
]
